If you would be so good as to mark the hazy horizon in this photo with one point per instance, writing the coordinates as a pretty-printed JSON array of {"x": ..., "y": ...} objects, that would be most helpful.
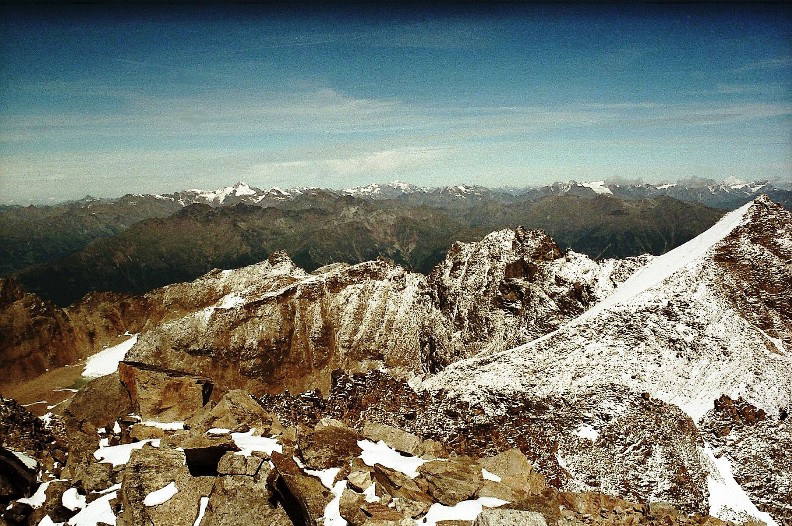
[{"x": 109, "y": 101}]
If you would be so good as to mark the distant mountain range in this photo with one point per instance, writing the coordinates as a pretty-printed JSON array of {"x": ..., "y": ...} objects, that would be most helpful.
[
  {"x": 725, "y": 195},
  {"x": 139, "y": 242}
]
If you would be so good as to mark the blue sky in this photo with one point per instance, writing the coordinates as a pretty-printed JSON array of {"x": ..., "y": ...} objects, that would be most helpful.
[{"x": 107, "y": 101}]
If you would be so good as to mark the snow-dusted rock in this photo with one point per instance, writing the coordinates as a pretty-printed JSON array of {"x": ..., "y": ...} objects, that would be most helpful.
[{"x": 677, "y": 329}]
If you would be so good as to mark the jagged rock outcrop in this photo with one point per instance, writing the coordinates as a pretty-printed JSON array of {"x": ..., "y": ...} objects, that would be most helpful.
[
  {"x": 514, "y": 286},
  {"x": 290, "y": 330}
]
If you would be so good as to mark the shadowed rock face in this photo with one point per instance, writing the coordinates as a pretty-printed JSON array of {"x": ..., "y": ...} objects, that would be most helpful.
[
  {"x": 34, "y": 334},
  {"x": 757, "y": 263}
]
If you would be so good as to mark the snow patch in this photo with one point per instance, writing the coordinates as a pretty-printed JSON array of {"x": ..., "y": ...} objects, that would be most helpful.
[
  {"x": 72, "y": 500},
  {"x": 599, "y": 187},
  {"x": 218, "y": 431},
  {"x": 382, "y": 453},
  {"x": 106, "y": 362},
  {"x": 38, "y": 498},
  {"x": 231, "y": 301},
  {"x": 586, "y": 431},
  {"x": 247, "y": 443},
  {"x": 161, "y": 496},
  {"x": 118, "y": 455},
  {"x": 489, "y": 476},
  {"x": 98, "y": 511},
  {"x": 327, "y": 476},
  {"x": 466, "y": 510},
  {"x": 29, "y": 463},
  {"x": 332, "y": 512},
  {"x": 727, "y": 499}
]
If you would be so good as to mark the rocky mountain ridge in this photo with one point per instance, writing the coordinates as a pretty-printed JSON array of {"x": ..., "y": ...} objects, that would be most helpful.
[
  {"x": 506, "y": 288},
  {"x": 619, "y": 383},
  {"x": 727, "y": 194}
]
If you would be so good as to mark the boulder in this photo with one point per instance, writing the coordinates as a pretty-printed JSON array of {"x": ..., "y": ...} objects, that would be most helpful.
[
  {"x": 17, "y": 475},
  {"x": 395, "y": 484},
  {"x": 517, "y": 476},
  {"x": 590, "y": 502},
  {"x": 329, "y": 445},
  {"x": 233, "y": 464},
  {"x": 431, "y": 450},
  {"x": 163, "y": 395},
  {"x": 498, "y": 517},
  {"x": 100, "y": 402},
  {"x": 350, "y": 507},
  {"x": 303, "y": 497},
  {"x": 151, "y": 469},
  {"x": 244, "y": 499},
  {"x": 451, "y": 481},
  {"x": 237, "y": 411}
]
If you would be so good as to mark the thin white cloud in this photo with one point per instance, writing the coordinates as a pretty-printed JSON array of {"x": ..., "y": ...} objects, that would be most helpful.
[
  {"x": 376, "y": 164},
  {"x": 770, "y": 63}
]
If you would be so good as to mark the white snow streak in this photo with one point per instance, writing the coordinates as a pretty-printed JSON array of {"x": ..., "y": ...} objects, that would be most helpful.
[
  {"x": 728, "y": 500},
  {"x": 382, "y": 453},
  {"x": 161, "y": 496},
  {"x": 466, "y": 510},
  {"x": 117, "y": 455},
  {"x": 38, "y": 498},
  {"x": 248, "y": 443},
  {"x": 106, "y": 362},
  {"x": 662, "y": 267},
  {"x": 201, "y": 510}
]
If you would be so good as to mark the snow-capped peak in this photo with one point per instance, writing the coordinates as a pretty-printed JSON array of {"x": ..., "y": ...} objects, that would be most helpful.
[
  {"x": 664, "y": 266},
  {"x": 599, "y": 187}
]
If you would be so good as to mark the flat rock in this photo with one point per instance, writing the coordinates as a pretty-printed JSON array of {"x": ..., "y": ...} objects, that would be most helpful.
[
  {"x": 451, "y": 481},
  {"x": 161, "y": 395},
  {"x": 237, "y": 411},
  {"x": 150, "y": 469},
  {"x": 393, "y": 436},
  {"x": 329, "y": 445},
  {"x": 242, "y": 499},
  {"x": 497, "y": 517}
]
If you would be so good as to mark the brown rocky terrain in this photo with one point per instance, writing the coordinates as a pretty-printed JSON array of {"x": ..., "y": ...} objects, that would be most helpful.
[{"x": 234, "y": 461}]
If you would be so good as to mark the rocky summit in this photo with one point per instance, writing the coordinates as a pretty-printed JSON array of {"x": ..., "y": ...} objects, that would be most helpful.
[{"x": 517, "y": 383}]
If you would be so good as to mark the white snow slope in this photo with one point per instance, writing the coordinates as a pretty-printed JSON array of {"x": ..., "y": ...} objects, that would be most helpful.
[{"x": 106, "y": 362}]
